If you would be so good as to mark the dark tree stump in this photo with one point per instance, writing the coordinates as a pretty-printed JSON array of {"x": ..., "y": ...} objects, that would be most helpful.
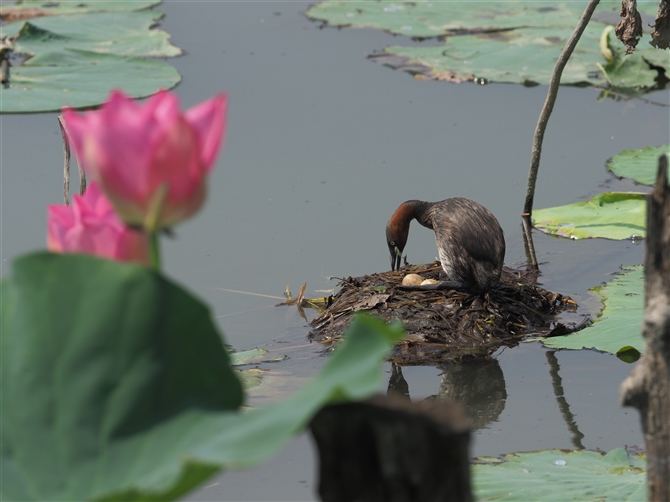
[
  {"x": 647, "y": 388},
  {"x": 390, "y": 449}
]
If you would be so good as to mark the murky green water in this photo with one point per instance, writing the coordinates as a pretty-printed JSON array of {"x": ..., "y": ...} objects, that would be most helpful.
[{"x": 322, "y": 146}]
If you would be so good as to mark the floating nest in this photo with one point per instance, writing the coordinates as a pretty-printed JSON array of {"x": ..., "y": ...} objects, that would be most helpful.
[{"x": 447, "y": 325}]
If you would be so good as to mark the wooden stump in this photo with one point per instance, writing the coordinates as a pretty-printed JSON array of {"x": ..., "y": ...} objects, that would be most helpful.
[
  {"x": 647, "y": 388},
  {"x": 390, "y": 449}
]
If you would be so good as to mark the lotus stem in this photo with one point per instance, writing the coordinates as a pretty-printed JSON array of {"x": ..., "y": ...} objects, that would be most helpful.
[
  {"x": 538, "y": 137},
  {"x": 154, "y": 251}
]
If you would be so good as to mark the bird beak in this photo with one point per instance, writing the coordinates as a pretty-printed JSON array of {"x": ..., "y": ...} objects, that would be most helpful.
[{"x": 396, "y": 257}]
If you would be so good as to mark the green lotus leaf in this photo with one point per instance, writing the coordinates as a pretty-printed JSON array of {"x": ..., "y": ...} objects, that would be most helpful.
[
  {"x": 74, "y": 7},
  {"x": 120, "y": 33},
  {"x": 80, "y": 79},
  {"x": 639, "y": 165},
  {"x": 76, "y": 56},
  {"x": 618, "y": 329},
  {"x": 515, "y": 42},
  {"x": 610, "y": 215},
  {"x": 558, "y": 475},
  {"x": 116, "y": 385}
]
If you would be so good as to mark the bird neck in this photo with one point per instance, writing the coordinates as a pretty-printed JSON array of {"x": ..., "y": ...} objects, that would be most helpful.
[
  {"x": 406, "y": 212},
  {"x": 420, "y": 211}
]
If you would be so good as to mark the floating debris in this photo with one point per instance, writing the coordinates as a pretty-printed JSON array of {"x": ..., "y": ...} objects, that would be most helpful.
[{"x": 446, "y": 325}]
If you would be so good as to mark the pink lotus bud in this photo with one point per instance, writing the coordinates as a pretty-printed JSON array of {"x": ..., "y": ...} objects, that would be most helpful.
[
  {"x": 91, "y": 226},
  {"x": 150, "y": 159}
]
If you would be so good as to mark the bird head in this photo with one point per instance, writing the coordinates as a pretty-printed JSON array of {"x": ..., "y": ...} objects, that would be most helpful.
[{"x": 395, "y": 240}]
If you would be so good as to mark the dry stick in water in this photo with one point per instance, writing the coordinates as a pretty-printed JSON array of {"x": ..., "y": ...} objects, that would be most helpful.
[
  {"x": 538, "y": 137},
  {"x": 82, "y": 177},
  {"x": 66, "y": 166}
]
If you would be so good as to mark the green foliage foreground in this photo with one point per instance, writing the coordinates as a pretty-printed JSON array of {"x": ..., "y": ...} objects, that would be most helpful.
[{"x": 116, "y": 385}]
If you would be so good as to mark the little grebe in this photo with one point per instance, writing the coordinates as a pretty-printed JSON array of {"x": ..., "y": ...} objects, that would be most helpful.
[{"x": 470, "y": 242}]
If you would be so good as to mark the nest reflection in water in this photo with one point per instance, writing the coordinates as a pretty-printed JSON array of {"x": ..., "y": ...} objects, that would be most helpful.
[{"x": 445, "y": 325}]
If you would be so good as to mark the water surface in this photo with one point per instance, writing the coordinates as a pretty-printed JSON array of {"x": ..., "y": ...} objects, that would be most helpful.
[{"x": 322, "y": 146}]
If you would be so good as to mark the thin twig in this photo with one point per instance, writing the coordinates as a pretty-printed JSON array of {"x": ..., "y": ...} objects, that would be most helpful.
[
  {"x": 248, "y": 293},
  {"x": 541, "y": 127}
]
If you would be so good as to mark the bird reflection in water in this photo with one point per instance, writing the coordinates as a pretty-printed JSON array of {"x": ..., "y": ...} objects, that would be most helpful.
[{"x": 478, "y": 386}]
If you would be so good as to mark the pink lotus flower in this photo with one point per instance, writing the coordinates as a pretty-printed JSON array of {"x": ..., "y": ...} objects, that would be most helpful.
[
  {"x": 150, "y": 159},
  {"x": 91, "y": 226}
]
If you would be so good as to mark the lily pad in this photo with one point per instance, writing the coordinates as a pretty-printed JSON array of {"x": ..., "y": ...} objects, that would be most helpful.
[
  {"x": 120, "y": 33},
  {"x": 524, "y": 55},
  {"x": 120, "y": 389},
  {"x": 250, "y": 377},
  {"x": 81, "y": 79},
  {"x": 498, "y": 41},
  {"x": 618, "y": 329},
  {"x": 639, "y": 165},
  {"x": 254, "y": 355},
  {"x": 610, "y": 215},
  {"x": 55, "y": 8},
  {"x": 433, "y": 19},
  {"x": 75, "y": 56},
  {"x": 558, "y": 475}
]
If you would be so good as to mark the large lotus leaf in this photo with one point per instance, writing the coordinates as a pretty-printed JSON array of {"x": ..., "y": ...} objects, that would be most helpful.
[
  {"x": 525, "y": 55},
  {"x": 620, "y": 322},
  {"x": 95, "y": 353},
  {"x": 116, "y": 385},
  {"x": 79, "y": 79},
  {"x": 528, "y": 56},
  {"x": 516, "y": 42},
  {"x": 429, "y": 19},
  {"x": 559, "y": 475},
  {"x": 639, "y": 165},
  {"x": 121, "y": 33},
  {"x": 81, "y": 52},
  {"x": 656, "y": 57},
  {"x": 610, "y": 215},
  {"x": 74, "y": 7},
  {"x": 630, "y": 72}
]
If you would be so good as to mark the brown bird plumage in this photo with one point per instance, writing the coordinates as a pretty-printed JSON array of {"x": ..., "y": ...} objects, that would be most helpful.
[{"x": 470, "y": 242}]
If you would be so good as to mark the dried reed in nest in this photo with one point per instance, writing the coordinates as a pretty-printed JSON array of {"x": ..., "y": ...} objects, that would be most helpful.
[{"x": 445, "y": 325}]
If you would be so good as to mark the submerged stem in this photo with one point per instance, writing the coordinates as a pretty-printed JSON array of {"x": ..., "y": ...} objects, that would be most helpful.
[{"x": 568, "y": 417}]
